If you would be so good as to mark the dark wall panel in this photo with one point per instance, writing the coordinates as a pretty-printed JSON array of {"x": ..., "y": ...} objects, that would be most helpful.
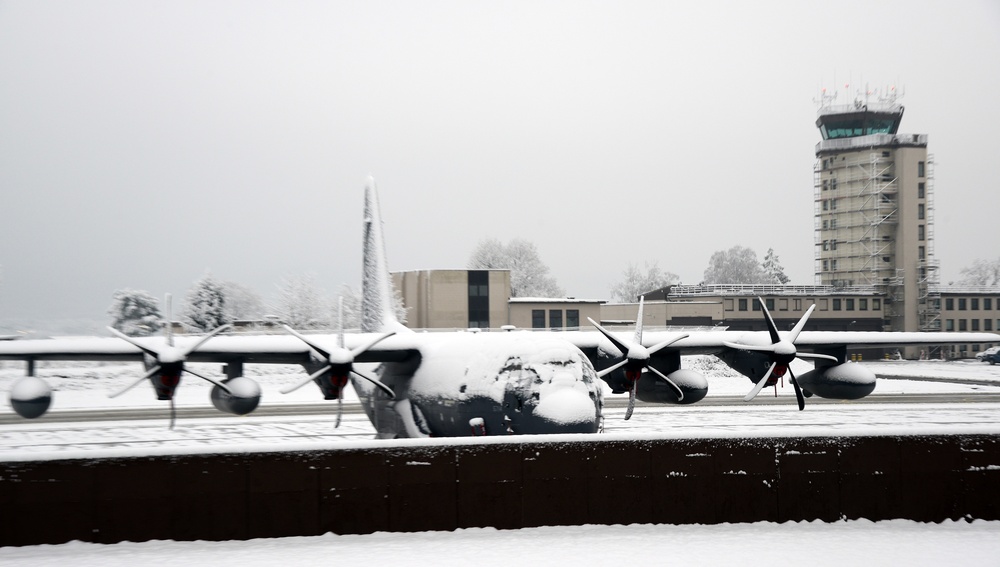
[{"x": 507, "y": 485}]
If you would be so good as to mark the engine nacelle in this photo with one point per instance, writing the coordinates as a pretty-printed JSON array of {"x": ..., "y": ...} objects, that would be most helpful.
[
  {"x": 30, "y": 397},
  {"x": 846, "y": 381},
  {"x": 654, "y": 390},
  {"x": 244, "y": 398}
]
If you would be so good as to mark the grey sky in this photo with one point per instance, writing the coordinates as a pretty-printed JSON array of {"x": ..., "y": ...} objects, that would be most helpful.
[{"x": 142, "y": 143}]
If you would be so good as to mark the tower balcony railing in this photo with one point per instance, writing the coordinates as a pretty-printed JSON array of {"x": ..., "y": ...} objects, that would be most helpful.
[{"x": 871, "y": 141}]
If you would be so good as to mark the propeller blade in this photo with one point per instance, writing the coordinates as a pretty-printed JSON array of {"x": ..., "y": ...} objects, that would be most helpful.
[
  {"x": 638, "y": 322},
  {"x": 677, "y": 389},
  {"x": 168, "y": 330},
  {"x": 205, "y": 339},
  {"x": 388, "y": 391},
  {"x": 173, "y": 412},
  {"x": 794, "y": 334},
  {"x": 798, "y": 391},
  {"x": 132, "y": 341},
  {"x": 305, "y": 380},
  {"x": 622, "y": 347},
  {"x": 631, "y": 401},
  {"x": 207, "y": 379},
  {"x": 146, "y": 376},
  {"x": 816, "y": 356},
  {"x": 340, "y": 410},
  {"x": 771, "y": 329},
  {"x": 322, "y": 351},
  {"x": 377, "y": 340},
  {"x": 760, "y": 384},
  {"x": 653, "y": 349},
  {"x": 611, "y": 369}
]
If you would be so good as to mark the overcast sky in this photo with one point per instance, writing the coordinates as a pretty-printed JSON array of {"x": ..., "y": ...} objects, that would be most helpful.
[{"x": 143, "y": 143}]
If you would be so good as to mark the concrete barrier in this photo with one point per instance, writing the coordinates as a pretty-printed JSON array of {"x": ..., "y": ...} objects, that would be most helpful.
[{"x": 505, "y": 485}]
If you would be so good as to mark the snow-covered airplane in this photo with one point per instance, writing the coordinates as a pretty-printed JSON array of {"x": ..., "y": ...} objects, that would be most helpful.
[{"x": 478, "y": 383}]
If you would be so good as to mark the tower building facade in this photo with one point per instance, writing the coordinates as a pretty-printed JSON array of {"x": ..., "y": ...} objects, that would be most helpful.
[{"x": 874, "y": 210}]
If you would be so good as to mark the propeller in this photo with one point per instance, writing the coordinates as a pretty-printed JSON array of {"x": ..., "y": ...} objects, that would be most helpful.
[
  {"x": 636, "y": 359},
  {"x": 337, "y": 363},
  {"x": 781, "y": 352},
  {"x": 165, "y": 373}
]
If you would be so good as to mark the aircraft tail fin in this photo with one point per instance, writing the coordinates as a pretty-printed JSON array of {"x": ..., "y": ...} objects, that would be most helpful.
[{"x": 377, "y": 300}]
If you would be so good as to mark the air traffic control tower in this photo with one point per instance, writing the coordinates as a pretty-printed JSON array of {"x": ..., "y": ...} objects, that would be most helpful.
[{"x": 874, "y": 208}]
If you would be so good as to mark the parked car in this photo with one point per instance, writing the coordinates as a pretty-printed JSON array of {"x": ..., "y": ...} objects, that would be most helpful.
[{"x": 991, "y": 355}]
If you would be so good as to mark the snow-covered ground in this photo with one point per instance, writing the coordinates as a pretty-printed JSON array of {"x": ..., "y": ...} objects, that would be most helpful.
[{"x": 896, "y": 542}]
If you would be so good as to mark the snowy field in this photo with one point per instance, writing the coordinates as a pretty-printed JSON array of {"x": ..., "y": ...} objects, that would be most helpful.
[{"x": 898, "y": 542}]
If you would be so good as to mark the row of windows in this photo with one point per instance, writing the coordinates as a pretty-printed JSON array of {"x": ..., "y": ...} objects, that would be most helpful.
[
  {"x": 971, "y": 325},
  {"x": 969, "y": 304},
  {"x": 555, "y": 319},
  {"x": 837, "y": 304}
]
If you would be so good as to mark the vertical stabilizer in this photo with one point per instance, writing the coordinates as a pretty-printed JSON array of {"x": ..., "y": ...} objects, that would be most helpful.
[{"x": 376, "y": 287}]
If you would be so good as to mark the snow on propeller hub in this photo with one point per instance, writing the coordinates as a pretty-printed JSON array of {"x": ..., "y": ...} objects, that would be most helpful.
[
  {"x": 337, "y": 364},
  {"x": 636, "y": 357},
  {"x": 168, "y": 365},
  {"x": 781, "y": 352}
]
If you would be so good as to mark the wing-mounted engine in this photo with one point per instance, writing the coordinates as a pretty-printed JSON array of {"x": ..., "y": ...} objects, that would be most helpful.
[
  {"x": 635, "y": 360},
  {"x": 30, "y": 396},
  {"x": 845, "y": 381}
]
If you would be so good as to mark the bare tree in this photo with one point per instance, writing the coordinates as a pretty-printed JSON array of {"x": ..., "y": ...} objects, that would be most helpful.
[
  {"x": 301, "y": 303},
  {"x": 738, "y": 265},
  {"x": 981, "y": 272},
  {"x": 529, "y": 276},
  {"x": 636, "y": 282},
  {"x": 241, "y": 302}
]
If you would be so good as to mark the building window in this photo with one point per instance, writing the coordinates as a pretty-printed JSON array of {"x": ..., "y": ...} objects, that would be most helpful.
[
  {"x": 833, "y": 265},
  {"x": 987, "y": 324},
  {"x": 863, "y": 304},
  {"x": 920, "y": 211},
  {"x": 949, "y": 303},
  {"x": 876, "y": 304},
  {"x": 920, "y": 169},
  {"x": 783, "y": 304},
  {"x": 729, "y": 304},
  {"x": 537, "y": 318},
  {"x": 963, "y": 325},
  {"x": 572, "y": 318},
  {"x": 961, "y": 304},
  {"x": 756, "y": 305},
  {"x": 920, "y": 232},
  {"x": 797, "y": 305},
  {"x": 921, "y": 253},
  {"x": 949, "y": 325},
  {"x": 479, "y": 299},
  {"x": 833, "y": 184},
  {"x": 975, "y": 304},
  {"x": 920, "y": 190},
  {"x": 836, "y": 304},
  {"x": 824, "y": 304},
  {"x": 833, "y": 223},
  {"x": 555, "y": 319},
  {"x": 826, "y": 204},
  {"x": 987, "y": 303},
  {"x": 975, "y": 324},
  {"x": 849, "y": 304},
  {"x": 885, "y": 153},
  {"x": 743, "y": 305},
  {"x": 770, "y": 303}
]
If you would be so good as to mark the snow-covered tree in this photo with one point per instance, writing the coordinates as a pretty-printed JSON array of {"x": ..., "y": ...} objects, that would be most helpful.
[
  {"x": 981, "y": 272},
  {"x": 738, "y": 265},
  {"x": 772, "y": 267},
  {"x": 301, "y": 303},
  {"x": 529, "y": 277},
  {"x": 241, "y": 302},
  {"x": 205, "y": 307},
  {"x": 636, "y": 282},
  {"x": 135, "y": 313}
]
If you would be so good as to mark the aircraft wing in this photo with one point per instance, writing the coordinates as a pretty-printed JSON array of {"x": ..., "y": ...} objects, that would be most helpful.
[{"x": 273, "y": 349}]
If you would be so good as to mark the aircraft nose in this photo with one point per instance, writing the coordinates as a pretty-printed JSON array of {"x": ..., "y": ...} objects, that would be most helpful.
[{"x": 566, "y": 402}]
